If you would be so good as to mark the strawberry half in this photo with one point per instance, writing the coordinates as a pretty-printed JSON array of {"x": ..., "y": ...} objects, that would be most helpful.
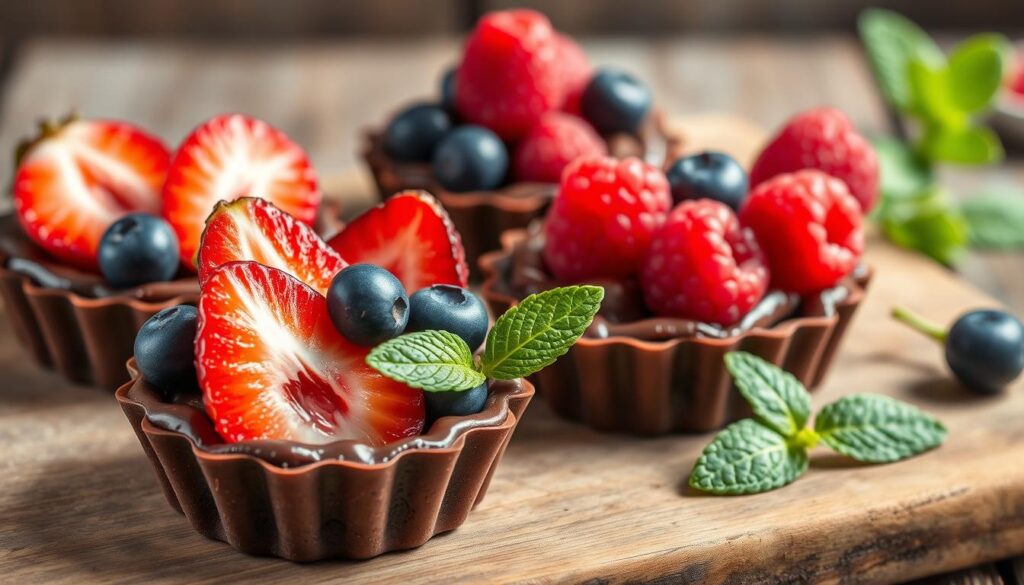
[
  {"x": 272, "y": 366},
  {"x": 234, "y": 156},
  {"x": 253, "y": 229},
  {"x": 80, "y": 176},
  {"x": 412, "y": 236}
]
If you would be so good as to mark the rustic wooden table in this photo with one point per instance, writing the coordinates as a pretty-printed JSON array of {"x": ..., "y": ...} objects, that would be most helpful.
[{"x": 322, "y": 95}]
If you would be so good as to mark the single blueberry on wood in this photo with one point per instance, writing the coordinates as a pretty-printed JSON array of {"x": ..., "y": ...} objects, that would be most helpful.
[
  {"x": 455, "y": 403},
  {"x": 367, "y": 304},
  {"x": 470, "y": 158},
  {"x": 449, "y": 308},
  {"x": 448, "y": 91},
  {"x": 615, "y": 101},
  {"x": 413, "y": 134},
  {"x": 165, "y": 349},
  {"x": 136, "y": 249},
  {"x": 708, "y": 175}
]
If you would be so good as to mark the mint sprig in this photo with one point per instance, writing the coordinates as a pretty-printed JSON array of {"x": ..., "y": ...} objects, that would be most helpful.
[
  {"x": 523, "y": 341},
  {"x": 770, "y": 451}
]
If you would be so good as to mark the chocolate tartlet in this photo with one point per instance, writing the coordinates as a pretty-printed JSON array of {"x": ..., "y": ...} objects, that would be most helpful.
[
  {"x": 648, "y": 375},
  {"x": 309, "y": 502}
]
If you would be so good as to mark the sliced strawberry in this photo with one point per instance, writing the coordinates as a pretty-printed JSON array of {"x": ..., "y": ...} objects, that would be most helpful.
[
  {"x": 253, "y": 229},
  {"x": 79, "y": 177},
  {"x": 412, "y": 236},
  {"x": 272, "y": 366},
  {"x": 234, "y": 156}
]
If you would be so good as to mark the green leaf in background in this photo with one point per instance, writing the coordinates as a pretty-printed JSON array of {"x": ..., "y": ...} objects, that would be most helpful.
[
  {"x": 969, "y": 145},
  {"x": 533, "y": 334},
  {"x": 891, "y": 41},
  {"x": 926, "y": 222},
  {"x": 976, "y": 71},
  {"x": 431, "y": 360},
  {"x": 929, "y": 92},
  {"x": 995, "y": 221},
  {"x": 877, "y": 429},
  {"x": 903, "y": 173},
  {"x": 777, "y": 398},
  {"x": 746, "y": 458}
]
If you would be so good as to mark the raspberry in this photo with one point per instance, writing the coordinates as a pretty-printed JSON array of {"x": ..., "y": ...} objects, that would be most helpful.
[
  {"x": 822, "y": 139},
  {"x": 809, "y": 226},
  {"x": 576, "y": 71},
  {"x": 601, "y": 221},
  {"x": 702, "y": 265},
  {"x": 510, "y": 74},
  {"x": 557, "y": 140}
]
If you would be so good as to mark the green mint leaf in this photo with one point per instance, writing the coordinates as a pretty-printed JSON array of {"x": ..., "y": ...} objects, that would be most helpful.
[
  {"x": 434, "y": 361},
  {"x": 877, "y": 429},
  {"x": 903, "y": 173},
  {"x": 995, "y": 221},
  {"x": 929, "y": 87},
  {"x": 890, "y": 41},
  {"x": 747, "y": 458},
  {"x": 975, "y": 145},
  {"x": 927, "y": 223},
  {"x": 976, "y": 71},
  {"x": 778, "y": 399},
  {"x": 541, "y": 328}
]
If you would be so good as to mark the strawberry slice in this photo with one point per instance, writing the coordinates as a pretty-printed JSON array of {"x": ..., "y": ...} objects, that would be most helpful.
[
  {"x": 253, "y": 229},
  {"x": 78, "y": 177},
  {"x": 272, "y": 366},
  {"x": 234, "y": 156},
  {"x": 412, "y": 236}
]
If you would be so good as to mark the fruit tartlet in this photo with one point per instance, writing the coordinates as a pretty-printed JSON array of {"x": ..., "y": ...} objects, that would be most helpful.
[
  {"x": 694, "y": 264},
  {"x": 521, "y": 104},
  {"x": 324, "y": 400},
  {"x": 107, "y": 221}
]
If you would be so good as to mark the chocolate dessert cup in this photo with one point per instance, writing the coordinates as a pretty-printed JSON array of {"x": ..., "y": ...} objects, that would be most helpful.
[
  {"x": 311, "y": 502},
  {"x": 634, "y": 373}
]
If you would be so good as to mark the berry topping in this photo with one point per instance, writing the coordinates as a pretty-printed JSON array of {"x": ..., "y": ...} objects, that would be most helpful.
[
  {"x": 470, "y": 158},
  {"x": 79, "y": 176},
  {"x": 411, "y": 236},
  {"x": 165, "y": 349},
  {"x": 826, "y": 140},
  {"x": 809, "y": 226},
  {"x": 367, "y": 304},
  {"x": 601, "y": 221},
  {"x": 702, "y": 265},
  {"x": 253, "y": 229},
  {"x": 138, "y": 248},
  {"x": 576, "y": 72},
  {"x": 556, "y": 140},
  {"x": 448, "y": 91},
  {"x": 415, "y": 131},
  {"x": 615, "y": 101},
  {"x": 234, "y": 156},
  {"x": 449, "y": 308},
  {"x": 510, "y": 73},
  {"x": 708, "y": 175},
  {"x": 455, "y": 402},
  {"x": 272, "y": 366}
]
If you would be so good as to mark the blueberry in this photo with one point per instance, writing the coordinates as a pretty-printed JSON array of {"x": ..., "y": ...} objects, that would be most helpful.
[
  {"x": 708, "y": 175},
  {"x": 414, "y": 133},
  {"x": 615, "y": 101},
  {"x": 449, "y": 308},
  {"x": 985, "y": 350},
  {"x": 165, "y": 349},
  {"x": 138, "y": 248},
  {"x": 367, "y": 304},
  {"x": 448, "y": 91},
  {"x": 470, "y": 158},
  {"x": 455, "y": 403}
]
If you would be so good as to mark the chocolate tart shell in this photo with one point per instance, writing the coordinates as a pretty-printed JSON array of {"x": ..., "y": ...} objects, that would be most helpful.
[
  {"x": 331, "y": 508},
  {"x": 625, "y": 384}
]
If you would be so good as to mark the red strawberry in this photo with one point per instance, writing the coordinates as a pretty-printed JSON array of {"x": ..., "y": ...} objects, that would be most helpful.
[
  {"x": 826, "y": 140},
  {"x": 576, "y": 71},
  {"x": 253, "y": 229},
  {"x": 234, "y": 156},
  {"x": 272, "y": 366},
  {"x": 601, "y": 221},
  {"x": 410, "y": 235},
  {"x": 510, "y": 73},
  {"x": 702, "y": 265},
  {"x": 80, "y": 176},
  {"x": 556, "y": 140},
  {"x": 809, "y": 226}
]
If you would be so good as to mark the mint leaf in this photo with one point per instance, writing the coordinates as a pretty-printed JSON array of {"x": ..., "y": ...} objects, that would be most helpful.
[
  {"x": 970, "y": 145},
  {"x": 926, "y": 222},
  {"x": 930, "y": 99},
  {"x": 747, "y": 458},
  {"x": 891, "y": 41},
  {"x": 995, "y": 221},
  {"x": 434, "y": 361},
  {"x": 533, "y": 334},
  {"x": 778, "y": 399},
  {"x": 903, "y": 173},
  {"x": 877, "y": 429},
  {"x": 976, "y": 71}
]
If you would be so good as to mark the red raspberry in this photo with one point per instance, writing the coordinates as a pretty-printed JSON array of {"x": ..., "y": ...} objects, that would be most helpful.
[
  {"x": 557, "y": 140},
  {"x": 822, "y": 139},
  {"x": 510, "y": 74},
  {"x": 702, "y": 265},
  {"x": 809, "y": 226},
  {"x": 601, "y": 222},
  {"x": 576, "y": 71}
]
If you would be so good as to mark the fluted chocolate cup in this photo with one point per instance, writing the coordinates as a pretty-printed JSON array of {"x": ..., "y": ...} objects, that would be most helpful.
[
  {"x": 626, "y": 384},
  {"x": 311, "y": 502}
]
